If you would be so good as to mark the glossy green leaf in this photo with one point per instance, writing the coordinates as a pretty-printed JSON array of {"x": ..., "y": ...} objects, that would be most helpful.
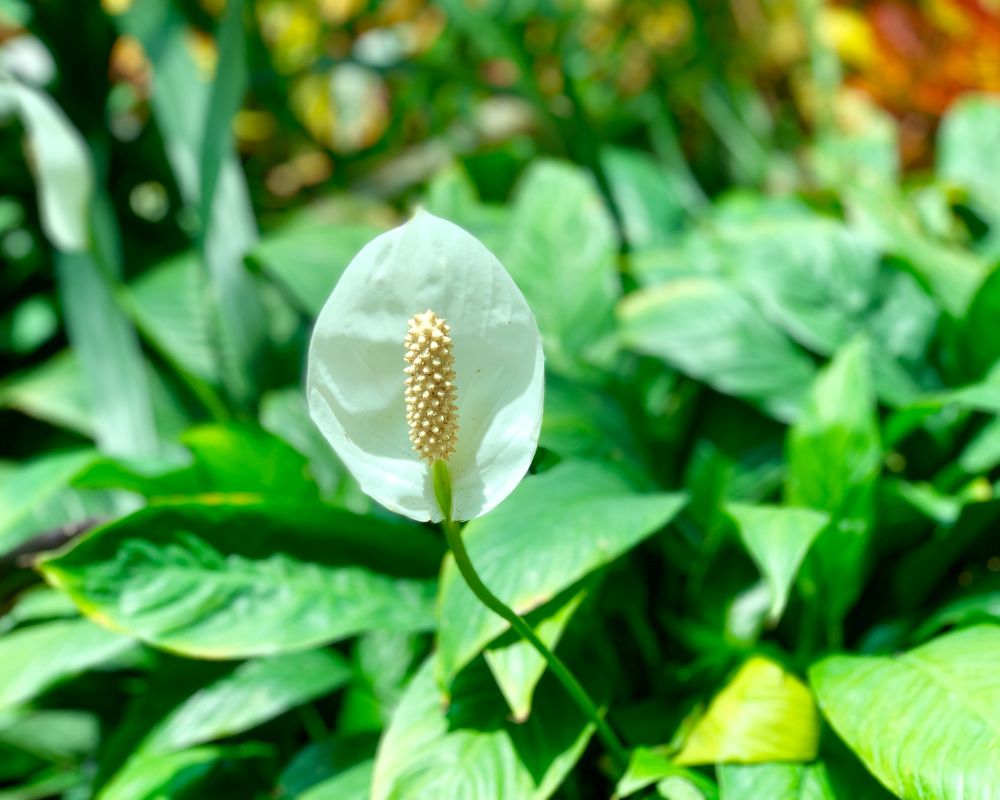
[
  {"x": 254, "y": 692},
  {"x": 354, "y": 783},
  {"x": 777, "y": 538},
  {"x": 834, "y": 457},
  {"x": 35, "y": 657},
  {"x": 775, "y": 782},
  {"x": 561, "y": 251},
  {"x": 709, "y": 331},
  {"x": 763, "y": 714},
  {"x": 554, "y": 529},
  {"x": 474, "y": 752},
  {"x": 234, "y": 579},
  {"x": 925, "y": 722}
]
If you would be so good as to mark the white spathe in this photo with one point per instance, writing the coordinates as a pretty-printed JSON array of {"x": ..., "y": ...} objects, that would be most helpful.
[{"x": 355, "y": 380}]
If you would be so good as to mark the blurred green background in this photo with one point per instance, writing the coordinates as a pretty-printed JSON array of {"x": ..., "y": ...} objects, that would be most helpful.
[{"x": 760, "y": 238}]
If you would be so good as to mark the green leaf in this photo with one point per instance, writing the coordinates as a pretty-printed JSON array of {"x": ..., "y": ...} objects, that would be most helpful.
[
  {"x": 52, "y": 391},
  {"x": 284, "y": 413},
  {"x": 651, "y": 210},
  {"x": 709, "y": 331},
  {"x": 967, "y": 146},
  {"x": 354, "y": 783},
  {"x": 554, "y": 529},
  {"x": 224, "y": 101},
  {"x": 114, "y": 370},
  {"x": 654, "y": 765},
  {"x": 30, "y": 486},
  {"x": 57, "y": 736},
  {"x": 320, "y": 769},
  {"x": 561, "y": 251},
  {"x": 170, "y": 304},
  {"x": 474, "y": 752},
  {"x": 169, "y": 774},
  {"x": 34, "y": 658},
  {"x": 834, "y": 457},
  {"x": 517, "y": 666},
  {"x": 307, "y": 256},
  {"x": 182, "y": 102},
  {"x": 777, "y": 539},
  {"x": 763, "y": 714},
  {"x": 234, "y": 579},
  {"x": 926, "y": 722},
  {"x": 775, "y": 782},
  {"x": 979, "y": 339},
  {"x": 952, "y": 275},
  {"x": 254, "y": 692}
]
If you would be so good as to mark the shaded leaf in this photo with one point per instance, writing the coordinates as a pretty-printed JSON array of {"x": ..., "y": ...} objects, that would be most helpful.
[
  {"x": 552, "y": 531},
  {"x": 254, "y": 692},
  {"x": 34, "y": 658},
  {"x": 777, "y": 538}
]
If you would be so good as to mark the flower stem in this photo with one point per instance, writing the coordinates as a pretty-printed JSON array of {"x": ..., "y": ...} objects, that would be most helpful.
[{"x": 453, "y": 533}]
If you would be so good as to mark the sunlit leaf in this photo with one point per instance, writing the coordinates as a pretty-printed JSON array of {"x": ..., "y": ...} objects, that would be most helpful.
[
  {"x": 240, "y": 577},
  {"x": 763, "y": 714},
  {"x": 925, "y": 722}
]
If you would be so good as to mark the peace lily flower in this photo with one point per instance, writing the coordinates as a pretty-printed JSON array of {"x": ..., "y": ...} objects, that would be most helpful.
[{"x": 427, "y": 352}]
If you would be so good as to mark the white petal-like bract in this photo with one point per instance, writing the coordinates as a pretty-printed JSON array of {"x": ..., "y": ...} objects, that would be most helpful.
[{"x": 355, "y": 381}]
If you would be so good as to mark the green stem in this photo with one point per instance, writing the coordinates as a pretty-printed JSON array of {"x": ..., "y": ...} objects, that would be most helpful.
[{"x": 453, "y": 533}]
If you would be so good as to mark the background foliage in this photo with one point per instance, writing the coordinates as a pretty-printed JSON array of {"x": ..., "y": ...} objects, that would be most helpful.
[{"x": 760, "y": 239}]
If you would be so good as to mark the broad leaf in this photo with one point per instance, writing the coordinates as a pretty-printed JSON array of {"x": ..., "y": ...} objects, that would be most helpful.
[
  {"x": 307, "y": 256},
  {"x": 170, "y": 774},
  {"x": 561, "y": 252},
  {"x": 518, "y": 667},
  {"x": 775, "y": 782},
  {"x": 926, "y": 722},
  {"x": 254, "y": 692},
  {"x": 35, "y": 657},
  {"x": 709, "y": 331},
  {"x": 777, "y": 538},
  {"x": 474, "y": 753},
  {"x": 552, "y": 531},
  {"x": 834, "y": 458},
  {"x": 763, "y": 714},
  {"x": 30, "y": 486},
  {"x": 967, "y": 147},
  {"x": 654, "y": 765},
  {"x": 232, "y": 579}
]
